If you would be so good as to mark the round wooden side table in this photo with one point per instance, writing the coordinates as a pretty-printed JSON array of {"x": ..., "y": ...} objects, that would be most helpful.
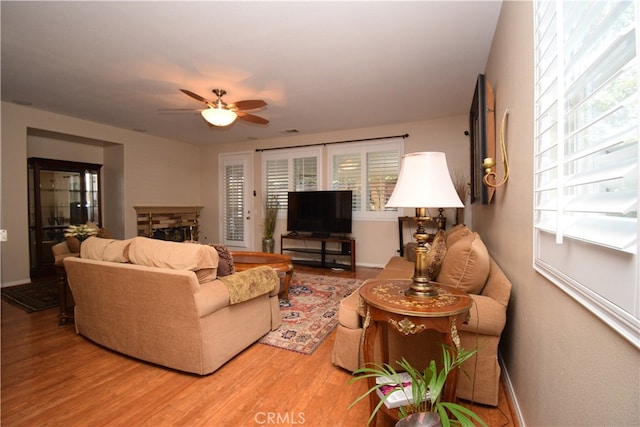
[{"x": 385, "y": 303}]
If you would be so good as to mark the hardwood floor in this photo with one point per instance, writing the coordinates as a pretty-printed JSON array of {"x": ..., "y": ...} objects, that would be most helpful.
[{"x": 51, "y": 376}]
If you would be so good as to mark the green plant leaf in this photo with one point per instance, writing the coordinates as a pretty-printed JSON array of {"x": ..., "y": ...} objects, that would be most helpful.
[
  {"x": 444, "y": 417},
  {"x": 463, "y": 415}
]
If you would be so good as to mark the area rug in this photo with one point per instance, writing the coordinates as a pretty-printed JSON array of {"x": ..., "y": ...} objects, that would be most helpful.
[
  {"x": 311, "y": 312},
  {"x": 35, "y": 296}
]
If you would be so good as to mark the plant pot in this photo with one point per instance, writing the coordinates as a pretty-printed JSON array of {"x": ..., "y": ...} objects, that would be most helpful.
[
  {"x": 268, "y": 245},
  {"x": 420, "y": 419}
]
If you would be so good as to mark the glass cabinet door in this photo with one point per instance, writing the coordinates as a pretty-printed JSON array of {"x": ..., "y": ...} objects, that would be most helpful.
[{"x": 61, "y": 193}]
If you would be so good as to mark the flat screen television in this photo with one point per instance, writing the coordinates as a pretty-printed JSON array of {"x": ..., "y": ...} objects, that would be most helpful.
[{"x": 319, "y": 212}]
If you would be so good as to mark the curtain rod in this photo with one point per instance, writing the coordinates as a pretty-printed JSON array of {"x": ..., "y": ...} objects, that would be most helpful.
[{"x": 406, "y": 135}]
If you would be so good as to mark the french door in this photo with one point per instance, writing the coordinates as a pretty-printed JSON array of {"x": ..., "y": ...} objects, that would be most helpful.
[{"x": 236, "y": 204}]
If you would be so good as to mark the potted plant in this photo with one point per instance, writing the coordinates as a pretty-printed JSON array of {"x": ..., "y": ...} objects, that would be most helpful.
[
  {"x": 425, "y": 391},
  {"x": 80, "y": 232},
  {"x": 270, "y": 215}
]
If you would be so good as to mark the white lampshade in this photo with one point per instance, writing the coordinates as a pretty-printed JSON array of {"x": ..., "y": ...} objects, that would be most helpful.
[
  {"x": 424, "y": 182},
  {"x": 219, "y": 116}
]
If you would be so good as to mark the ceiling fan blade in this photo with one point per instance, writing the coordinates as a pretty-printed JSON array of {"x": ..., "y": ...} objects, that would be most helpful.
[
  {"x": 196, "y": 96},
  {"x": 252, "y": 118},
  {"x": 178, "y": 110},
  {"x": 249, "y": 104}
]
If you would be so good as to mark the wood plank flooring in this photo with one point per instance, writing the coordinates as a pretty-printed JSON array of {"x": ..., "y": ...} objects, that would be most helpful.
[{"x": 51, "y": 376}]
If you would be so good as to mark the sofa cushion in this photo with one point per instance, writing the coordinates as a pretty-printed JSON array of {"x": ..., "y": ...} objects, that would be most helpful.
[
  {"x": 225, "y": 260},
  {"x": 436, "y": 255},
  {"x": 202, "y": 259},
  {"x": 397, "y": 268},
  {"x": 111, "y": 250},
  {"x": 466, "y": 264}
]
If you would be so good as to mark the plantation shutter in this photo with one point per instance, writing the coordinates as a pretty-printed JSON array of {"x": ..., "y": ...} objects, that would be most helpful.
[
  {"x": 347, "y": 175},
  {"x": 290, "y": 170},
  {"x": 587, "y": 167},
  {"x": 586, "y": 155},
  {"x": 370, "y": 170},
  {"x": 382, "y": 175},
  {"x": 305, "y": 174},
  {"x": 234, "y": 203},
  {"x": 277, "y": 180}
]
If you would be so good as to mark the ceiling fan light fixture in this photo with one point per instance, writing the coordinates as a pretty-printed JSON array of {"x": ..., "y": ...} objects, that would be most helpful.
[{"x": 219, "y": 116}]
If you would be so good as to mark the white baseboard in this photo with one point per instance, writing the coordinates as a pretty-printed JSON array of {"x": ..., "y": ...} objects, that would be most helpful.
[
  {"x": 511, "y": 392},
  {"x": 14, "y": 283}
]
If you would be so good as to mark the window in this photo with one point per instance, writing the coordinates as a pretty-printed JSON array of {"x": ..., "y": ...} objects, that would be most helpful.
[
  {"x": 370, "y": 170},
  {"x": 586, "y": 155},
  {"x": 290, "y": 170}
]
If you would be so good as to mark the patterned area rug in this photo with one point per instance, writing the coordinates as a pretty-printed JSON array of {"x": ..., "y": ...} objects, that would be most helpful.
[
  {"x": 34, "y": 296},
  {"x": 311, "y": 312}
]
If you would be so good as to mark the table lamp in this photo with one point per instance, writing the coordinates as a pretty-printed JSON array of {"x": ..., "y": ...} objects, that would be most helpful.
[{"x": 424, "y": 182}]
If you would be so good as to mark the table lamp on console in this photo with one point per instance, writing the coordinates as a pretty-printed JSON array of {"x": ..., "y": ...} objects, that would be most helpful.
[{"x": 424, "y": 182}]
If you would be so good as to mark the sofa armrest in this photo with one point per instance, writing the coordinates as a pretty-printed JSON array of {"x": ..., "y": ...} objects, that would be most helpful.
[
  {"x": 211, "y": 297},
  {"x": 215, "y": 295},
  {"x": 251, "y": 283},
  {"x": 486, "y": 316}
]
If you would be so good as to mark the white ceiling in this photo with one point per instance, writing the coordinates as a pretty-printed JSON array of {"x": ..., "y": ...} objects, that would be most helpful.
[{"x": 320, "y": 66}]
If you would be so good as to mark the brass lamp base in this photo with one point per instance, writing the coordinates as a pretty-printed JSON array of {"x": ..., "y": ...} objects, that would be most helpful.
[
  {"x": 422, "y": 285},
  {"x": 416, "y": 290}
]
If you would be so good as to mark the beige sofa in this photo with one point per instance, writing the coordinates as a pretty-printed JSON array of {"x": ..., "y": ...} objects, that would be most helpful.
[
  {"x": 162, "y": 302},
  {"x": 468, "y": 266}
]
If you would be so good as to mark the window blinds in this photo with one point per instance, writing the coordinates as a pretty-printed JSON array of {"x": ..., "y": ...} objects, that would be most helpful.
[
  {"x": 290, "y": 170},
  {"x": 382, "y": 174},
  {"x": 586, "y": 156},
  {"x": 233, "y": 203}
]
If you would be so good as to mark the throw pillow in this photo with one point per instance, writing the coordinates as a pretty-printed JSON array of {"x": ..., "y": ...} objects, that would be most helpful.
[
  {"x": 436, "y": 255},
  {"x": 225, "y": 261},
  {"x": 466, "y": 264},
  {"x": 456, "y": 233},
  {"x": 73, "y": 244}
]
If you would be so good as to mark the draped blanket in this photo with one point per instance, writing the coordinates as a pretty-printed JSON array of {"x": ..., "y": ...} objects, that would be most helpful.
[{"x": 250, "y": 283}]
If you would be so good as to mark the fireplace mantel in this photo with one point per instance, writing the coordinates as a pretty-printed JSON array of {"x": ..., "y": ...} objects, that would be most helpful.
[{"x": 177, "y": 223}]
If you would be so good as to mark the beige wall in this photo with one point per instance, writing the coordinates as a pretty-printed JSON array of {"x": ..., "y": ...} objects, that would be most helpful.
[
  {"x": 567, "y": 367},
  {"x": 376, "y": 241},
  {"x": 136, "y": 166},
  {"x": 154, "y": 170}
]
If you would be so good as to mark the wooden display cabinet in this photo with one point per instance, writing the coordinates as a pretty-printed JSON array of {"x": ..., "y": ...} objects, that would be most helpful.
[{"x": 61, "y": 193}]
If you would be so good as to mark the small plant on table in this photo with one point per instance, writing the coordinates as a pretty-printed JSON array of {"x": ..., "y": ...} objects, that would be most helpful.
[{"x": 425, "y": 391}]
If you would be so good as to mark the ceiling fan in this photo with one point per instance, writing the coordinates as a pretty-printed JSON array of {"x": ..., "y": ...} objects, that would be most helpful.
[{"x": 219, "y": 113}]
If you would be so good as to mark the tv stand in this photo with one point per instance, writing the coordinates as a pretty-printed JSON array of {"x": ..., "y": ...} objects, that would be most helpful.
[
  {"x": 320, "y": 234},
  {"x": 340, "y": 247}
]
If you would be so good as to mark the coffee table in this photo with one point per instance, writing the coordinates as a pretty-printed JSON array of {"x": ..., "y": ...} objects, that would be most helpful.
[{"x": 281, "y": 263}]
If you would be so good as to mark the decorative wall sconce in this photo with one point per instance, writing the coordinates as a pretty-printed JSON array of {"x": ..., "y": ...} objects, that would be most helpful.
[{"x": 490, "y": 174}]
